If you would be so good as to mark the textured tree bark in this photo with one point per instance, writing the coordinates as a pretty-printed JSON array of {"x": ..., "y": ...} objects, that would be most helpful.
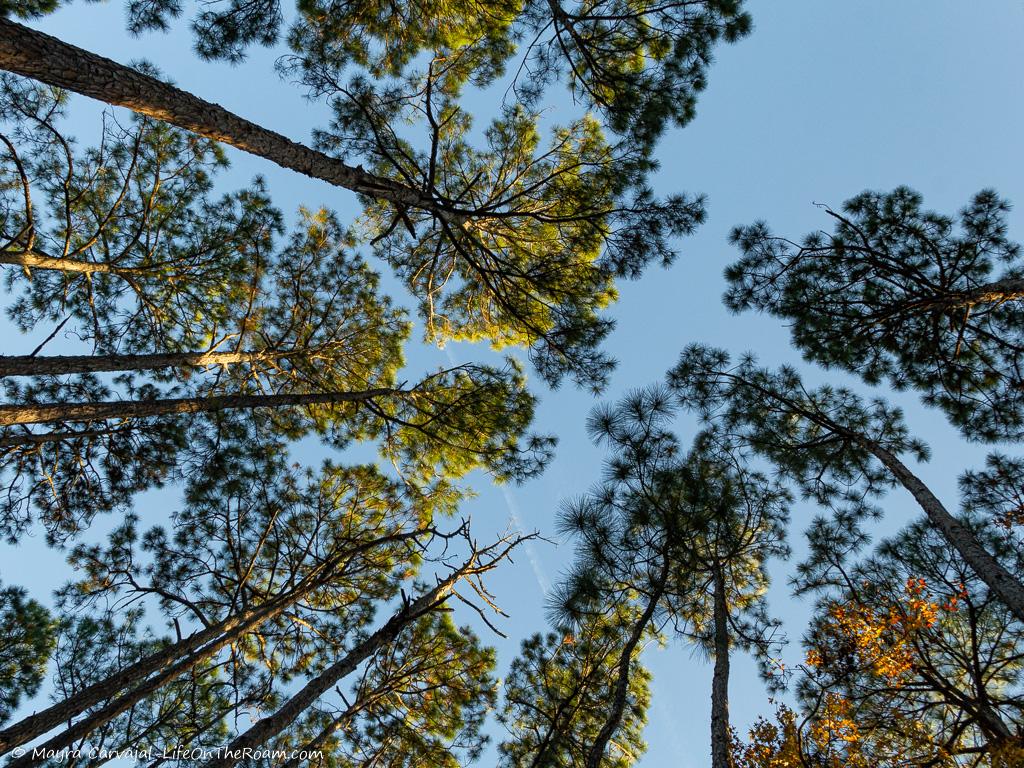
[
  {"x": 720, "y": 755},
  {"x": 30, "y": 260},
  {"x": 60, "y": 365},
  {"x": 42, "y": 57},
  {"x": 1002, "y": 583},
  {"x": 50, "y": 412},
  {"x": 1011, "y": 289},
  {"x": 614, "y": 717},
  {"x": 998, "y": 579},
  {"x": 274, "y": 724}
]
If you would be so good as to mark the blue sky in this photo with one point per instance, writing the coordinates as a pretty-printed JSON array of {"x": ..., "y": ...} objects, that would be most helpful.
[{"x": 822, "y": 101}]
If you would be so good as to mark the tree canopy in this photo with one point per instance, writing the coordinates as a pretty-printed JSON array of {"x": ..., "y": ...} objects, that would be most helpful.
[
  {"x": 287, "y": 571},
  {"x": 900, "y": 293}
]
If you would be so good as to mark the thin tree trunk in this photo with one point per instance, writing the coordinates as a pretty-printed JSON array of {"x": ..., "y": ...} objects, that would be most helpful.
[
  {"x": 342, "y": 721},
  {"x": 45, "y": 58},
  {"x": 614, "y": 716},
  {"x": 317, "y": 742},
  {"x": 720, "y": 754},
  {"x": 274, "y": 724},
  {"x": 22, "y": 440},
  {"x": 61, "y": 365},
  {"x": 1002, "y": 583},
  {"x": 122, "y": 409},
  {"x": 541, "y": 757}
]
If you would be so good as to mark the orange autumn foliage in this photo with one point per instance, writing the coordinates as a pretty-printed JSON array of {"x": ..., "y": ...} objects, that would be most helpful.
[{"x": 878, "y": 640}]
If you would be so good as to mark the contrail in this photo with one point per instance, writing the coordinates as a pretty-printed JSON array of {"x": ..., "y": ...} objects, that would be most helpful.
[
  {"x": 531, "y": 553},
  {"x": 513, "y": 510}
]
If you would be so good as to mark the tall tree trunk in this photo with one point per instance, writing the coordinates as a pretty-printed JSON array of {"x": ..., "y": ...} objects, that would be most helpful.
[
  {"x": 122, "y": 409},
  {"x": 194, "y": 649},
  {"x": 1002, "y": 583},
  {"x": 614, "y": 717},
  {"x": 274, "y": 724},
  {"x": 720, "y": 754},
  {"x": 62, "y": 365},
  {"x": 42, "y": 57},
  {"x": 204, "y": 642},
  {"x": 339, "y": 723}
]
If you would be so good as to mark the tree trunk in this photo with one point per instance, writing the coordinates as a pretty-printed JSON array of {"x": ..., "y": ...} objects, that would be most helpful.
[
  {"x": 30, "y": 260},
  {"x": 122, "y": 409},
  {"x": 1010, "y": 289},
  {"x": 720, "y": 753},
  {"x": 614, "y": 717},
  {"x": 62, "y": 365},
  {"x": 195, "y": 648},
  {"x": 317, "y": 742},
  {"x": 274, "y": 724},
  {"x": 22, "y": 440},
  {"x": 42, "y": 57},
  {"x": 1002, "y": 583},
  {"x": 227, "y": 630}
]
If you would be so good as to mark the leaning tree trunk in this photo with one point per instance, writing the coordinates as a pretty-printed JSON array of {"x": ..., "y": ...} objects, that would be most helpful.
[
  {"x": 1002, "y": 583},
  {"x": 44, "y": 413},
  {"x": 614, "y": 717},
  {"x": 39, "y": 723},
  {"x": 42, "y": 57},
  {"x": 339, "y": 723},
  {"x": 63, "y": 365},
  {"x": 197, "y": 646},
  {"x": 70, "y": 736},
  {"x": 720, "y": 754},
  {"x": 274, "y": 724}
]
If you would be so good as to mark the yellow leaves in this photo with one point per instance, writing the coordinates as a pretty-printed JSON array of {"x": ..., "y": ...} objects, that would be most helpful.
[
  {"x": 771, "y": 744},
  {"x": 1007, "y": 754},
  {"x": 835, "y": 723},
  {"x": 882, "y": 639}
]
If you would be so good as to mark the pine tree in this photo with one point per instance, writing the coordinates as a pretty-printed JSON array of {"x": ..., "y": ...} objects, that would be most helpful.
[
  {"x": 678, "y": 543},
  {"x": 558, "y": 690},
  {"x": 513, "y": 242},
  {"x": 193, "y": 313},
  {"x": 906, "y": 295},
  {"x": 925, "y": 659},
  {"x": 270, "y": 576},
  {"x": 420, "y": 701},
  {"x": 190, "y": 711},
  {"x": 29, "y": 637},
  {"x": 837, "y": 448}
]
